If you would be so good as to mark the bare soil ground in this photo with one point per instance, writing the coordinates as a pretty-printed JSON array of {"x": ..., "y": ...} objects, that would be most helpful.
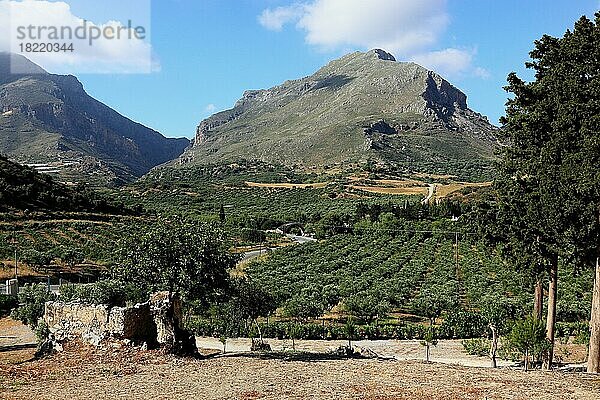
[
  {"x": 85, "y": 373},
  {"x": 116, "y": 371}
]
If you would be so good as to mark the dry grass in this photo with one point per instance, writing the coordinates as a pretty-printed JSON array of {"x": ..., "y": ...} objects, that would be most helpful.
[
  {"x": 408, "y": 187},
  {"x": 434, "y": 176},
  {"x": 318, "y": 185},
  {"x": 409, "y": 190},
  {"x": 444, "y": 190},
  {"x": 82, "y": 372},
  {"x": 7, "y": 270},
  {"x": 116, "y": 371}
]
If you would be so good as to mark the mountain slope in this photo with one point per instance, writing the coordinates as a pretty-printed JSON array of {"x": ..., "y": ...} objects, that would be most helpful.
[
  {"x": 363, "y": 107},
  {"x": 22, "y": 188},
  {"x": 50, "y": 119}
]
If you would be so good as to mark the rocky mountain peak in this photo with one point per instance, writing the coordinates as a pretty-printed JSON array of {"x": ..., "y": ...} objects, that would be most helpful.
[
  {"x": 364, "y": 105},
  {"x": 383, "y": 55}
]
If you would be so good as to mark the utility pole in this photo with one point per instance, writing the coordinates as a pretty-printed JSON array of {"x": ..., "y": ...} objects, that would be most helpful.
[{"x": 16, "y": 244}]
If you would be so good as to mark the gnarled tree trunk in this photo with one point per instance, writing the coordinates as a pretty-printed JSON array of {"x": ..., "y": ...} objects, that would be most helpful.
[
  {"x": 551, "y": 318},
  {"x": 494, "y": 345},
  {"x": 593, "y": 365}
]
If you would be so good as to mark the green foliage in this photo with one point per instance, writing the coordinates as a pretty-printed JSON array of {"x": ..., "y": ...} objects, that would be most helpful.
[
  {"x": 22, "y": 188},
  {"x": 548, "y": 184},
  {"x": 70, "y": 256},
  {"x": 528, "y": 337},
  {"x": 463, "y": 324},
  {"x": 372, "y": 272},
  {"x": 213, "y": 327},
  {"x": 477, "y": 346},
  {"x": 109, "y": 292},
  {"x": 309, "y": 303},
  {"x": 177, "y": 255},
  {"x": 350, "y": 330},
  {"x": 368, "y": 305},
  {"x": 431, "y": 302},
  {"x": 37, "y": 260},
  {"x": 430, "y": 338},
  {"x": 7, "y": 303},
  {"x": 70, "y": 235},
  {"x": 244, "y": 304},
  {"x": 42, "y": 331},
  {"x": 32, "y": 299},
  {"x": 499, "y": 312},
  {"x": 481, "y": 347}
]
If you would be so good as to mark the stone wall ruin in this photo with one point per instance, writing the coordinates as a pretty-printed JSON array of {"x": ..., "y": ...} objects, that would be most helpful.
[{"x": 157, "y": 323}]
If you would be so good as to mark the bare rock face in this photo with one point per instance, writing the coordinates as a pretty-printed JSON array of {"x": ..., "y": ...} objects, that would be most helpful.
[
  {"x": 384, "y": 55},
  {"x": 70, "y": 124}
]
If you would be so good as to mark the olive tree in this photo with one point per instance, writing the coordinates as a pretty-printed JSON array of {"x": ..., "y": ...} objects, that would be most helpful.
[{"x": 188, "y": 259}]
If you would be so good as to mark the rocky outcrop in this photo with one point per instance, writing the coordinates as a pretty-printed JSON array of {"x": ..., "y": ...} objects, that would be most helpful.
[
  {"x": 384, "y": 55},
  {"x": 156, "y": 323}
]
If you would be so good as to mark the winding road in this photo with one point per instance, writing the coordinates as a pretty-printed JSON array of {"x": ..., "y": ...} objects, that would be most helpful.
[
  {"x": 256, "y": 253},
  {"x": 431, "y": 193}
]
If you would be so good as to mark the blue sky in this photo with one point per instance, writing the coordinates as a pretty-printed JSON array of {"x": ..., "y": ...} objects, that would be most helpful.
[{"x": 210, "y": 51}]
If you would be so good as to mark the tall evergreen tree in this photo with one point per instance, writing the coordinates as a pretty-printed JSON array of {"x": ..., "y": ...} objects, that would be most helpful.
[{"x": 551, "y": 166}]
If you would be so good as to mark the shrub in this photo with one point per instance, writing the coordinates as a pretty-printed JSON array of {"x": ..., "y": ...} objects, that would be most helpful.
[
  {"x": 109, "y": 292},
  {"x": 477, "y": 347},
  {"x": 463, "y": 324},
  {"x": 32, "y": 300},
  {"x": 41, "y": 331},
  {"x": 528, "y": 337},
  {"x": 7, "y": 303}
]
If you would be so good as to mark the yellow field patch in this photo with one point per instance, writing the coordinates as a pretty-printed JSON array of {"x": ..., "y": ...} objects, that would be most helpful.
[
  {"x": 407, "y": 190},
  {"x": 444, "y": 190},
  {"x": 318, "y": 185},
  {"x": 398, "y": 182}
]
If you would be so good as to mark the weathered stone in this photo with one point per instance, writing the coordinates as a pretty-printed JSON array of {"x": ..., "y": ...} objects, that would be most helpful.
[
  {"x": 156, "y": 322},
  {"x": 133, "y": 323},
  {"x": 168, "y": 319}
]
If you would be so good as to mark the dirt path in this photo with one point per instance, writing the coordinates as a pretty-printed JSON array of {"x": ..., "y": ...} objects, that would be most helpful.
[
  {"x": 446, "y": 352},
  {"x": 14, "y": 333},
  {"x": 116, "y": 371}
]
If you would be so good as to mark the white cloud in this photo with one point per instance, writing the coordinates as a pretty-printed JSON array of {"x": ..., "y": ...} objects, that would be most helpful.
[
  {"x": 210, "y": 109},
  {"x": 126, "y": 54},
  {"x": 411, "y": 29},
  {"x": 395, "y": 25},
  {"x": 481, "y": 72},
  {"x": 275, "y": 19},
  {"x": 448, "y": 61},
  {"x": 452, "y": 62}
]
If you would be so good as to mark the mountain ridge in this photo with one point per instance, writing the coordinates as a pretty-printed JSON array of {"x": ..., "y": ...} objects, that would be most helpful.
[
  {"x": 51, "y": 119},
  {"x": 333, "y": 116}
]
